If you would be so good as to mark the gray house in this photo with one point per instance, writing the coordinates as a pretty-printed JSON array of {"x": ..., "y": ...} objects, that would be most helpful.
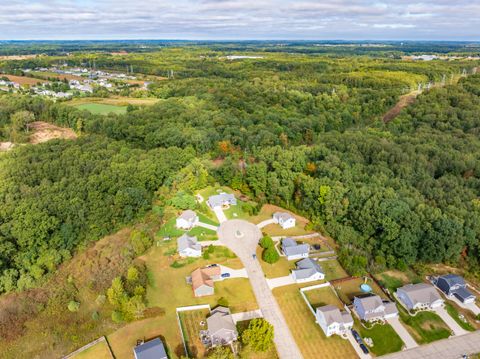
[
  {"x": 332, "y": 321},
  {"x": 454, "y": 285},
  {"x": 188, "y": 246},
  {"x": 187, "y": 220},
  {"x": 284, "y": 219},
  {"x": 221, "y": 328},
  {"x": 307, "y": 270},
  {"x": 221, "y": 200},
  {"x": 371, "y": 308},
  {"x": 419, "y": 296},
  {"x": 293, "y": 250},
  {"x": 152, "y": 349}
]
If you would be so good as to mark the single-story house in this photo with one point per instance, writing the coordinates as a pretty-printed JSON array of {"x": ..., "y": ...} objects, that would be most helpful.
[
  {"x": 454, "y": 285},
  {"x": 293, "y": 250},
  {"x": 202, "y": 280},
  {"x": 221, "y": 327},
  {"x": 332, "y": 320},
  {"x": 187, "y": 220},
  {"x": 188, "y": 246},
  {"x": 152, "y": 349},
  {"x": 371, "y": 307},
  {"x": 307, "y": 270},
  {"x": 419, "y": 296},
  {"x": 221, "y": 200},
  {"x": 284, "y": 219}
]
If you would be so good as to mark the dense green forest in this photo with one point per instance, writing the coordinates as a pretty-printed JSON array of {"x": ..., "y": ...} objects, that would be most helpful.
[{"x": 302, "y": 131}]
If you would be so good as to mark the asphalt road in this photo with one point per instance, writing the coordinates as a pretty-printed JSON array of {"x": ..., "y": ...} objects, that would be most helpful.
[{"x": 242, "y": 238}]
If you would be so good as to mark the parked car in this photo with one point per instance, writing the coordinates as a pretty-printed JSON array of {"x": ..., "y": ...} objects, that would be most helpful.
[
  {"x": 225, "y": 275},
  {"x": 357, "y": 336},
  {"x": 212, "y": 265},
  {"x": 317, "y": 247},
  {"x": 364, "y": 348},
  {"x": 254, "y": 256}
]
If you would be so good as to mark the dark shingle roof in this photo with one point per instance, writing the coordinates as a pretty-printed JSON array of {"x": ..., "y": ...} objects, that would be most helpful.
[{"x": 152, "y": 349}]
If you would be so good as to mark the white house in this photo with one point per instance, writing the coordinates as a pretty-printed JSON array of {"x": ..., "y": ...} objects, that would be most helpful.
[
  {"x": 371, "y": 308},
  {"x": 333, "y": 321},
  {"x": 293, "y": 250},
  {"x": 419, "y": 296},
  {"x": 187, "y": 220},
  {"x": 284, "y": 219},
  {"x": 222, "y": 200},
  {"x": 307, "y": 270},
  {"x": 188, "y": 246}
]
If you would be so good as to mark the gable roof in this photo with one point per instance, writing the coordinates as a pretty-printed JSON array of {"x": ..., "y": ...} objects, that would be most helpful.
[
  {"x": 333, "y": 315},
  {"x": 306, "y": 268},
  {"x": 452, "y": 280},
  {"x": 185, "y": 241},
  {"x": 152, "y": 349},
  {"x": 370, "y": 303},
  {"x": 220, "y": 199},
  {"x": 188, "y": 215},
  {"x": 290, "y": 247},
  {"x": 203, "y": 276},
  {"x": 220, "y": 320},
  {"x": 463, "y": 293},
  {"x": 420, "y": 293},
  {"x": 283, "y": 216}
]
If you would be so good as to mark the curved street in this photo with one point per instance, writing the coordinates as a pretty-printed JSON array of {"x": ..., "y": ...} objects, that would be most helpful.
[{"x": 242, "y": 238}]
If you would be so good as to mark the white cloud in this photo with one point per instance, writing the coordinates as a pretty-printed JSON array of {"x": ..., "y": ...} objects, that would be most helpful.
[{"x": 237, "y": 19}]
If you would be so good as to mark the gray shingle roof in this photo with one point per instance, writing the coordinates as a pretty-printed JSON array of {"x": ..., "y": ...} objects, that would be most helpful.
[
  {"x": 290, "y": 247},
  {"x": 220, "y": 199},
  {"x": 452, "y": 280},
  {"x": 420, "y": 293},
  {"x": 463, "y": 293},
  {"x": 185, "y": 241},
  {"x": 220, "y": 324},
  {"x": 152, "y": 349},
  {"x": 282, "y": 215},
  {"x": 188, "y": 215},
  {"x": 306, "y": 268},
  {"x": 333, "y": 315}
]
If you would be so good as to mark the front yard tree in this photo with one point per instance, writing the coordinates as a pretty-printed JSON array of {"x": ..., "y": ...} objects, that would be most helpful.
[
  {"x": 270, "y": 255},
  {"x": 221, "y": 353},
  {"x": 258, "y": 335}
]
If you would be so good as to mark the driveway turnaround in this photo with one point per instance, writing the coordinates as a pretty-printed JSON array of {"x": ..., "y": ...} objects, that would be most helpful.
[
  {"x": 265, "y": 223},
  {"x": 402, "y": 333},
  {"x": 452, "y": 324},
  {"x": 220, "y": 215},
  {"x": 452, "y": 348},
  {"x": 242, "y": 238}
]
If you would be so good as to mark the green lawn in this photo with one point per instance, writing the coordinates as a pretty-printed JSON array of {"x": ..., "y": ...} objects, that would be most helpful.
[
  {"x": 323, "y": 296},
  {"x": 102, "y": 109},
  {"x": 455, "y": 315},
  {"x": 169, "y": 229},
  {"x": 385, "y": 338},
  {"x": 425, "y": 327},
  {"x": 347, "y": 290},
  {"x": 333, "y": 270},
  {"x": 279, "y": 269}
]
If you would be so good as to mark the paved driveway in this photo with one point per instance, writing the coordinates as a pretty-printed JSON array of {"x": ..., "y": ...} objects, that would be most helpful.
[
  {"x": 208, "y": 226},
  {"x": 220, "y": 215},
  {"x": 355, "y": 346},
  {"x": 452, "y": 348},
  {"x": 242, "y": 238},
  {"x": 452, "y": 324},
  {"x": 402, "y": 333},
  {"x": 470, "y": 306},
  {"x": 238, "y": 317},
  {"x": 265, "y": 223},
  {"x": 234, "y": 273},
  {"x": 280, "y": 281}
]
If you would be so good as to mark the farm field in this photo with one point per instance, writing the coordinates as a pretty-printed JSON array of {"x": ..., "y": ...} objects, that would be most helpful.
[
  {"x": 102, "y": 109},
  {"x": 55, "y": 75},
  {"x": 98, "y": 351},
  {"x": 44, "y": 131},
  {"x": 24, "y": 80},
  {"x": 167, "y": 290},
  {"x": 116, "y": 101},
  {"x": 309, "y": 336},
  {"x": 191, "y": 326}
]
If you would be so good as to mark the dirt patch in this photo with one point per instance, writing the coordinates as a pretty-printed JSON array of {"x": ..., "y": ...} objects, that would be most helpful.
[
  {"x": 18, "y": 57},
  {"x": 44, "y": 131},
  {"x": 6, "y": 146},
  {"x": 24, "y": 80},
  {"x": 404, "y": 101}
]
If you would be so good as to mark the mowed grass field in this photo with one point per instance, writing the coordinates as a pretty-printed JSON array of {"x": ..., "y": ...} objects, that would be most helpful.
[
  {"x": 425, "y": 327},
  {"x": 309, "y": 336},
  {"x": 348, "y": 289},
  {"x": 385, "y": 338},
  {"x": 323, "y": 296},
  {"x": 167, "y": 289},
  {"x": 98, "y": 351},
  {"x": 116, "y": 101},
  {"x": 102, "y": 109}
]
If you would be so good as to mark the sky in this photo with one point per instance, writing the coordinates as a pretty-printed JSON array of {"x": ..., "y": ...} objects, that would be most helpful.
[{"x": 240, "y": 19}]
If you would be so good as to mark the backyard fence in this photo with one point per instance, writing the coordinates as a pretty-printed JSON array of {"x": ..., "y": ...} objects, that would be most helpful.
[
  {"x": 89, "y": 345},
  {"x": 186, "y": 309}
]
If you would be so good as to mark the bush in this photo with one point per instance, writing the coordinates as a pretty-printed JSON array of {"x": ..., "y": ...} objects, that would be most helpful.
[
  {"x": 95, "y": 316},
  {"x": 140, "y": 242},
  {"x": 100, "y": 300},
  {"x": 270, "y": 255},
  {"x": 266, "y": 242},
  {"x": 117, "y": 316},
  {"x": 73, "y": 306},
  {"x": 259, "y": 335},
  {"x": 205, "y": 255},
  {"x": 177, "y": 264}
]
